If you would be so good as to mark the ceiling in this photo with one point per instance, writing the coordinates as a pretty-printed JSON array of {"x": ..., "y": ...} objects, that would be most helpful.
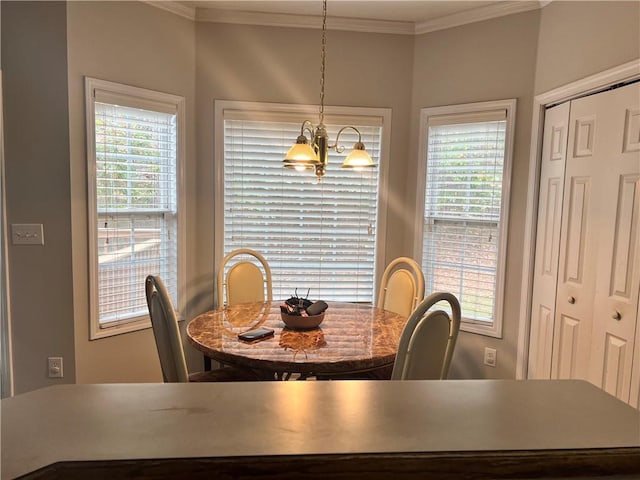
[{"x": 386, "y": 16}]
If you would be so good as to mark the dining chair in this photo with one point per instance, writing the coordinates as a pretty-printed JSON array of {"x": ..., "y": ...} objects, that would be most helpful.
[
  {"x": 245, "y": 282},
  {"x": 427, "y": 340},
  {"x": 401, "y": 286},
  {"x": 169, "y": 343}
]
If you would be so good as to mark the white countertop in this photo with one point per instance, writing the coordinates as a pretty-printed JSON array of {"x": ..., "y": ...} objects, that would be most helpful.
[{"x": 158, "y": 421}]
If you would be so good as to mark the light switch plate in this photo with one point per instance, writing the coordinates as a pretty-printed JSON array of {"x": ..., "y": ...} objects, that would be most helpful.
[{"x": 27, "y": 234}]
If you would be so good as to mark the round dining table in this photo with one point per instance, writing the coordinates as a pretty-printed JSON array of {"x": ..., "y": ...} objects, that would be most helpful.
[{"x": 352, "y": 338}]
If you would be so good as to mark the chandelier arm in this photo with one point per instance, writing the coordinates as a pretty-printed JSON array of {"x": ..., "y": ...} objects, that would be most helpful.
[
  {"x": 340, "y": 148},
  {"x": 307, "y": 126}
]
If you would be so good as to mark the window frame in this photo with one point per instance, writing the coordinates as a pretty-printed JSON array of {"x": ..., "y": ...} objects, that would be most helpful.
[
  {"x": 135, "y": 97},
  {"x": 306, "y": 112},
  {"x": 494, "y": 329}
]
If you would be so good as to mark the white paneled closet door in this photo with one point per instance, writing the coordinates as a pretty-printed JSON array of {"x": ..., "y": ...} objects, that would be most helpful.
[
  {"x": 554, "y": 148},
  {"x": 593, "y": 324},
  {"x": 578, "y": 247},
  {"x": 616, "y": 210},
  {"x": 597, "y": 300}
]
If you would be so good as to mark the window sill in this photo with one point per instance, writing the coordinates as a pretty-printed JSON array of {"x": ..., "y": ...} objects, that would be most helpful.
[
  {"x": 128, "y": 326},
  {"x": 493, "y": 330}
]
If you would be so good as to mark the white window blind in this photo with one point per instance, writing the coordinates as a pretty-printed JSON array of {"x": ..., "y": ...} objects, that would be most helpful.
[
  {"x": 462, "y": 211},
  {"x": 136, "y": 206},
  {"x": 317, "y": 236}
]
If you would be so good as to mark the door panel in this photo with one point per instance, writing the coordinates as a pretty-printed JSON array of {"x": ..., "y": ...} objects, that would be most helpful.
[
  {"x": 616, "y": 220},
  {"x": 625, "y": 239},
  {"x": 576, "y": 243},
  {"x": 634, "y": 399},
  {"x": 632, "y": 144},
  {"x": 632, "y": 130},
  {"x": 567, "y": 351},
  {"x": 576, "y": 285},
  {"x": 615, "y": 355},
  {"x": 554, "y": 148}
]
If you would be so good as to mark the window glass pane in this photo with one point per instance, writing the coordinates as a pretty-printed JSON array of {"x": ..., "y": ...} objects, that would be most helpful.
[
  {"x": 137, "y": 204},
  {"x": 465, "y": 164},
  {"x": 316, "y": 236},
  {"x": 461, "y": 258}
]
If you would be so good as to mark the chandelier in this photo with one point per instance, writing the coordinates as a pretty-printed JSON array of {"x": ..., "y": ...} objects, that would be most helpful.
[{"x": 315, "y": 156}]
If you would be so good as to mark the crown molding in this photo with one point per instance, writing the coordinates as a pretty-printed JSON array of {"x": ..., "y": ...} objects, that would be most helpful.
[
  {"x": 303, "y": 21},
  {"x": 173, "y": 7},
  {"x": 347, "y": 24},
  {"x": 475, "y": 15},
  {"x": 626, "y": 72}
]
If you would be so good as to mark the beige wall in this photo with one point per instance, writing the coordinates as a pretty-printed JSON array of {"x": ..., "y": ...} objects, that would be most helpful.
[
  {"x": 34, "y": 67},
  {"x": 266, "y": 64},
  {"x": 578, "y": 39},
  {"x": 139, "y": 45},
  {"x": 484, "y": 61}
]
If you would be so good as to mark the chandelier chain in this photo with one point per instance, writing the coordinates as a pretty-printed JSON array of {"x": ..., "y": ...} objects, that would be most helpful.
[{"x": 323, "y": 57}]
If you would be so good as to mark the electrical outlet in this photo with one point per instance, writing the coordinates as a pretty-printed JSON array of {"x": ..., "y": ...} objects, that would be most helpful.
[
  {"x": 490, "y": 356},
  {"x": 55, "y": 367}
]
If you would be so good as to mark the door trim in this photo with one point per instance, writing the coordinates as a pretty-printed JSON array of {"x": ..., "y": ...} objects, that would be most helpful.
[
  {"x": 623, "y": 73},
  {"x": 6, "y": 357}
]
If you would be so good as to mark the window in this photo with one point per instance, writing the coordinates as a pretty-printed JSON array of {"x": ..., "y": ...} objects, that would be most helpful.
[
  {"x": 466, "y": 152},
  {"x": 133, "y": 151},
  {"x": 318, "y": 237}
]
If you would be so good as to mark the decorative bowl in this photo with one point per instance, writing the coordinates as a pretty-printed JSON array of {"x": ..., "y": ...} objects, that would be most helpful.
[{"x": 300, "y": 322}]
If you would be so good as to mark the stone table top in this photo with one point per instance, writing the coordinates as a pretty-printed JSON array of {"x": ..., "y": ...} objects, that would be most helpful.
[{"x": 352, "y": 337}]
